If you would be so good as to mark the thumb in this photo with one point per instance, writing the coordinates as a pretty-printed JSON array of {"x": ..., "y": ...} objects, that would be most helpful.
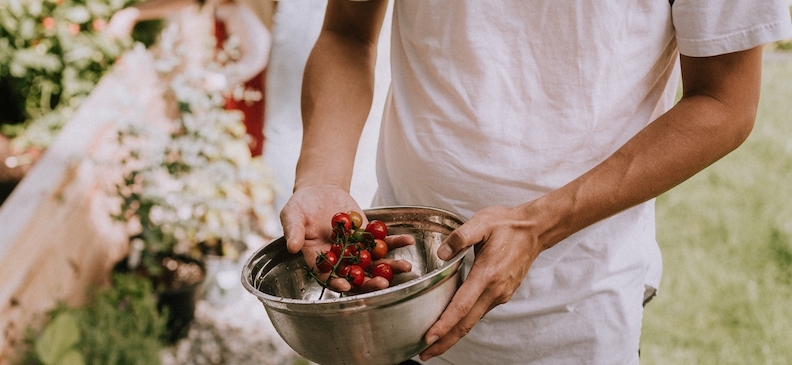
[
  {"x": 295, "y": 237},
  {"x": 462, "y": 237}
]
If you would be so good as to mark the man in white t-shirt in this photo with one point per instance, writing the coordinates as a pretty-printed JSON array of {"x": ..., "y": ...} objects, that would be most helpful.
[{"x": 552, "y": 127}]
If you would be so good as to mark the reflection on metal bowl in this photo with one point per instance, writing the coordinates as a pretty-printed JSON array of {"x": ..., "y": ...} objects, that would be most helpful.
[{"x": 382, "y": 327}]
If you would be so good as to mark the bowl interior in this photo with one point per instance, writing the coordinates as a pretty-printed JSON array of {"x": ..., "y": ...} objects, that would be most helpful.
[{"x": 275, "y": 274}]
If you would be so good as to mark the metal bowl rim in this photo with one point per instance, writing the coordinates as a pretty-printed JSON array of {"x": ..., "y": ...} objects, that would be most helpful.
[{"x": 246, "y": 271}]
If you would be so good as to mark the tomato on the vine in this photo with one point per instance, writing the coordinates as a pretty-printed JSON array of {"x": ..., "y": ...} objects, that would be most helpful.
[
  {"x": 384, "y": 270},
  {"x": 357, "y": 219},
  {"x": 350, "y": 253},
  {"x": 354, "y": 274},
  {"x": 377, "y": 228},
  {"x": 353, "y": 250},
  {"x": 336, "y": 249},
  {"x": 342, "y": 219},
  {"x": 364, "y": 259},
  {"x": 325, "y": 261},
  {"x": 379, "y": 250},
  {"x": 358, "y": 235}
]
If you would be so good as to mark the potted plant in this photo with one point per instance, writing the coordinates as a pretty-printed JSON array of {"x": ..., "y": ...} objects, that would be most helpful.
[{"x": 119, "y": 324}]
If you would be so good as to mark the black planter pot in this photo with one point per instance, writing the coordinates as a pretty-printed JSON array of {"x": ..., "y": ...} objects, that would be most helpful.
[{"x": 178, "y": 302}]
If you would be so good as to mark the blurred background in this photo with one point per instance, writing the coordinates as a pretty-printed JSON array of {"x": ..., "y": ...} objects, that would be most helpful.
[{"x": 146, "y": 148}]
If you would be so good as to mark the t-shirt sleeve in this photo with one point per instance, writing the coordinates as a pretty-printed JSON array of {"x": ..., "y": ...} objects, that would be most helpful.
[{"x": 712, "y": 27}]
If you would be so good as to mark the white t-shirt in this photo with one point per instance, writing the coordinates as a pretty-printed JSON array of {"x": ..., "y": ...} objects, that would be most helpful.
[{"x": 500, "y": 102}]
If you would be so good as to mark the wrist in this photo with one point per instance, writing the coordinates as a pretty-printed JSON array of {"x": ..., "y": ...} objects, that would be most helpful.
[{"x": 550, "y": 217}]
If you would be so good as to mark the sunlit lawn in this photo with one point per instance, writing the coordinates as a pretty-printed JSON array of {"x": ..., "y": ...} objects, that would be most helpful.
[{"x": 726, "y": 236}]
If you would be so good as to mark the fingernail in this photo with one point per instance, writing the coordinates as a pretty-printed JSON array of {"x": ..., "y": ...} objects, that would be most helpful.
[
  {"x": 444, "y": 252},
  {"x": 431, "y": 340}
]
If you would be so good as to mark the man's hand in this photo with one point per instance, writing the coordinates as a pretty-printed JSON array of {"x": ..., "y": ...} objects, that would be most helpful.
[
  {"x": 307, "y": 228},
  {"x": 505, "y": 245}
]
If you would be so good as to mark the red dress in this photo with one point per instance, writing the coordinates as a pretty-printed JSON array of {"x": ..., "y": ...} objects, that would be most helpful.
[{"x": 253, "y": 110}]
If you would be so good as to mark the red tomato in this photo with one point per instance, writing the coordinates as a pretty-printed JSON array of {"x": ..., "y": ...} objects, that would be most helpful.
[
  {"x": 336, "y": 249},
  {"x": 350, "y": 254},
  {"x": 341, "y": 267},
  {"x": 364, "y": 259},
  {"x": 341, "y": 219},
  {"x": 325, "y": 261},
  {"x": 357, "y": 219},
  {"x": 379, "y": 250},
  {"x": 377, "y": 228},
  {"x": 384, "y": 270},
  {"x": 354, "y": 274}
]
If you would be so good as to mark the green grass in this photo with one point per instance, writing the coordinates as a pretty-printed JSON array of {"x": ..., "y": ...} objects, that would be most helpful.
[{"x": 726, "y": 237}]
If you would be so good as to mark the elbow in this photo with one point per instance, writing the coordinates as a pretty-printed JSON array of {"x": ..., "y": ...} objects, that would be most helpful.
[
  {"x": 744, "y": 127},
  {"x": 741, "y": 115}
]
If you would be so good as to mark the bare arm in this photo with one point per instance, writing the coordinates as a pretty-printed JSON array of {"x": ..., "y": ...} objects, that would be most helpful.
[
  {"x": 123, "y": 21},
  {"x": 338, "y": 88},
  {"x": 254, "y": 41},
  {"x": 714, "y": 116}
]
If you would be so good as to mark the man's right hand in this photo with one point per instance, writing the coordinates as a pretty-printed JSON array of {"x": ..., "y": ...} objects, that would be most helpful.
[{"x": 306, "y": 224}]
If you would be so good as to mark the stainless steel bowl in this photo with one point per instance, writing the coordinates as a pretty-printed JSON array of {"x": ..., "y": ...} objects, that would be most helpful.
[{"x": 382, "y": 327}]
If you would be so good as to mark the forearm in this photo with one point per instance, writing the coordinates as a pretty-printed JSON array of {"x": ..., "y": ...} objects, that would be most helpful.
[
  {"x": 338, "y": 88},
  {"x": 703, "y": 127}
]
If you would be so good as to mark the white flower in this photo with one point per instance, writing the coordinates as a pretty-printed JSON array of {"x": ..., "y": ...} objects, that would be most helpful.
[
  {"x": 215, "y": 81},
  {"x": 197, "y": 174}
]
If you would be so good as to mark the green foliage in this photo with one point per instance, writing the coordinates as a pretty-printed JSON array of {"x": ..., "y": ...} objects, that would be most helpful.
[
  {"x": 726, "y": 237},
  {"x": 52, "y": 54},
  {"x": 120, "y": 326},
  {"x": 58, "y": 340}
]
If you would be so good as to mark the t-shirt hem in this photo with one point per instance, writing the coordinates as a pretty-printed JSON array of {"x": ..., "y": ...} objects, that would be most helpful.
[{"x": 736, "y": 41}]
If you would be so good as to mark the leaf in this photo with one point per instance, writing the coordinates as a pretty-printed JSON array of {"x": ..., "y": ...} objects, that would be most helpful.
[
  {"x": 60, "y": 335},
  {"x": 71, "y": 357}
]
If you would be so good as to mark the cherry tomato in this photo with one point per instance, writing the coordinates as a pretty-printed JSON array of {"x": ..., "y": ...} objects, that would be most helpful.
[
  {"x": 350, "y": 254},
  {"x": 364, "y": 259},
  {"x": 325, "y": 261},
  {"x": 336, "y": 249},
  {"x": 341, "y": 219},
  {"x": 384, "y": 270},
  {"x": 377, "y": 228},
  {"x": 354, "y": 274},
  {"x": 358, "y": 235},
  {"x": 379, "y": 250},
  {"x": 357, "y": 219},
  {"x": 341, "y": 267}
]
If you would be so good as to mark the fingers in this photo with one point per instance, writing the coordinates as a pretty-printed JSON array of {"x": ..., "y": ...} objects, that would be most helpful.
[
  {"x": 340, "y": 285},
  {"x": 373, "y": 284},
  {"x": 294, "y": 233},
  {"x": 398, "y": 266},
  {"x": 463, "y": 236},
  {"x": 399, "y": 240},
  {"x": 463, "y": 312}
]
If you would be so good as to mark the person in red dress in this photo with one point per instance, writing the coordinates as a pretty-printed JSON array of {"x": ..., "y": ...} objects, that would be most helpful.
[{"x": 232, "y": 19}]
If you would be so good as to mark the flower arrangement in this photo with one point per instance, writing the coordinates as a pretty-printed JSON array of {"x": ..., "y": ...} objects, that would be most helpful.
[{"x": 191, "y": 186}]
